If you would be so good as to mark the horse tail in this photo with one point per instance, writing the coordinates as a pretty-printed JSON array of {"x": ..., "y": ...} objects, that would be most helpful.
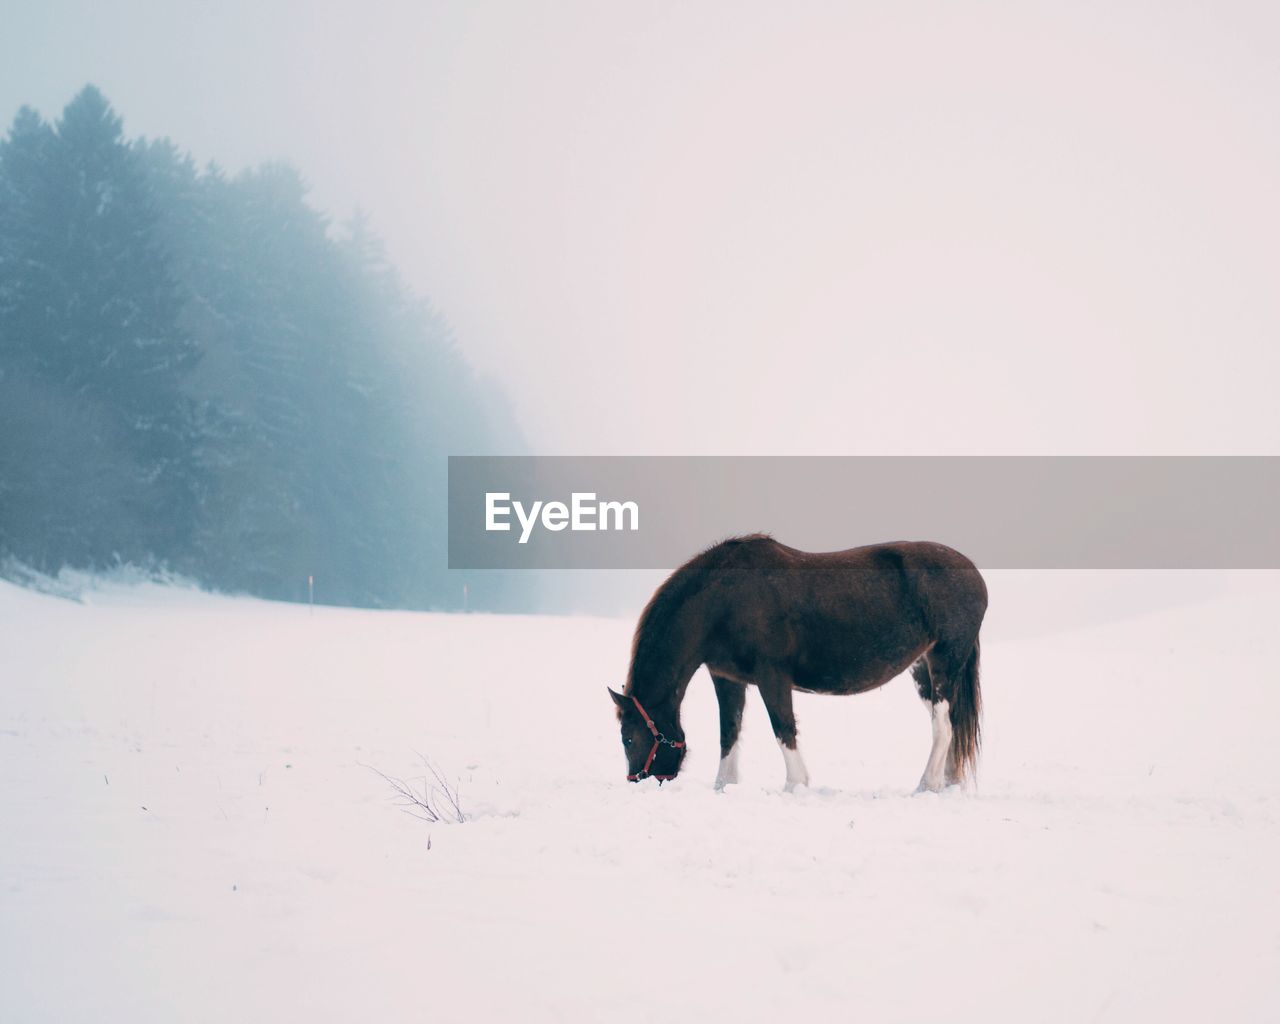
[{"x": 966, "y": 715}]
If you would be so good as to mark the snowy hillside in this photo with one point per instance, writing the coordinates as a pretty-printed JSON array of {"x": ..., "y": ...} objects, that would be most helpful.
[{"x": 191, "y": 832}]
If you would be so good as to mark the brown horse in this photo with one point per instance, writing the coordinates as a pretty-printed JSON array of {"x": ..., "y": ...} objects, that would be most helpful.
[{"x": 758, "y": 612}]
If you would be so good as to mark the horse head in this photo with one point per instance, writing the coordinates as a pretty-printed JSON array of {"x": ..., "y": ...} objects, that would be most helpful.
[{"x": 652, "y": 749}]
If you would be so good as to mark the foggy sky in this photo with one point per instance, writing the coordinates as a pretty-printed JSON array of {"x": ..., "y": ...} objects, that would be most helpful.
[{"x": 769, "y": 228}]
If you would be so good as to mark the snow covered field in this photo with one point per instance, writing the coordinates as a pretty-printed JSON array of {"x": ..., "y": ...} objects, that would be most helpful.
[{"x": 188, "y": 831}]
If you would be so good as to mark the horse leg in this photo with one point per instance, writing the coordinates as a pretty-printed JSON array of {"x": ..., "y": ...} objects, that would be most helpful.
[
  {"x": 776, "y": 692},
  {"x": 732, "y": 697},
  {"x": 932, "y": 685}
]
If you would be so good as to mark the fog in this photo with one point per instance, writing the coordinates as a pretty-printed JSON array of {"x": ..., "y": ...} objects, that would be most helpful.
[{"x": 763, "y": 228}]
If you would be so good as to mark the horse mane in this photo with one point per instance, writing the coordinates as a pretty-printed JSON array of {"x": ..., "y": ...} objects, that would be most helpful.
[{"x": 659, "y": 615}]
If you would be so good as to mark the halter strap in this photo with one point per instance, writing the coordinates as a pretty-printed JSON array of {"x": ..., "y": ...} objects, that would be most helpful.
[{"x": 658, "y": 740}]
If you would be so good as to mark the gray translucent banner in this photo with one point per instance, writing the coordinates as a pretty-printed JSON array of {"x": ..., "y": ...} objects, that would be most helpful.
[{"x": 1003, "y": 512}]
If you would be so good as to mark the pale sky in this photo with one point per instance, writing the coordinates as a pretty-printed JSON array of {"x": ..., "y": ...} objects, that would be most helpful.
[{"x": 819, "y": 228}]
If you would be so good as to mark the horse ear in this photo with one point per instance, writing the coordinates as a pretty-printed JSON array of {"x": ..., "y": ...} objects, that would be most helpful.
[{"x": 618, "y": 698}]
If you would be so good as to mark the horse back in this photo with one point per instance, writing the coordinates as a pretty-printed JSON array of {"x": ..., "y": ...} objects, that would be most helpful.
[{"x": 837, "y": 622}]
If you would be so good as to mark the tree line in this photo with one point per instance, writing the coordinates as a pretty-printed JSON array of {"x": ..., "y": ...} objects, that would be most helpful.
[{"x": 199, "y": 373}]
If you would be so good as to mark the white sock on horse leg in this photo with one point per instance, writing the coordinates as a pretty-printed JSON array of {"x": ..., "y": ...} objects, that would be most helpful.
[
  {"x": 728, "y": 773},
  {"x": 934, "y": 777},
  {"x": 797, "y": 774}
]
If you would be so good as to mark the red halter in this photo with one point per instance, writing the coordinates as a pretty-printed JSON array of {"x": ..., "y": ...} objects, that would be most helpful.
[{"x": 658, "y": 740}]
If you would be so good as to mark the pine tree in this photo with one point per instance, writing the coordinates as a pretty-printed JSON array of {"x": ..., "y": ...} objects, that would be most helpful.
[
  {"x": 91, "y": 315},
  {"x": 118, "y": 334},
  {"x": 27, "y": 276}
]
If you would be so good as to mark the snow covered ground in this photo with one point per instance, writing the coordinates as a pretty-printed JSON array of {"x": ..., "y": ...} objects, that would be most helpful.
[{"x": 189, "y": 831}]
